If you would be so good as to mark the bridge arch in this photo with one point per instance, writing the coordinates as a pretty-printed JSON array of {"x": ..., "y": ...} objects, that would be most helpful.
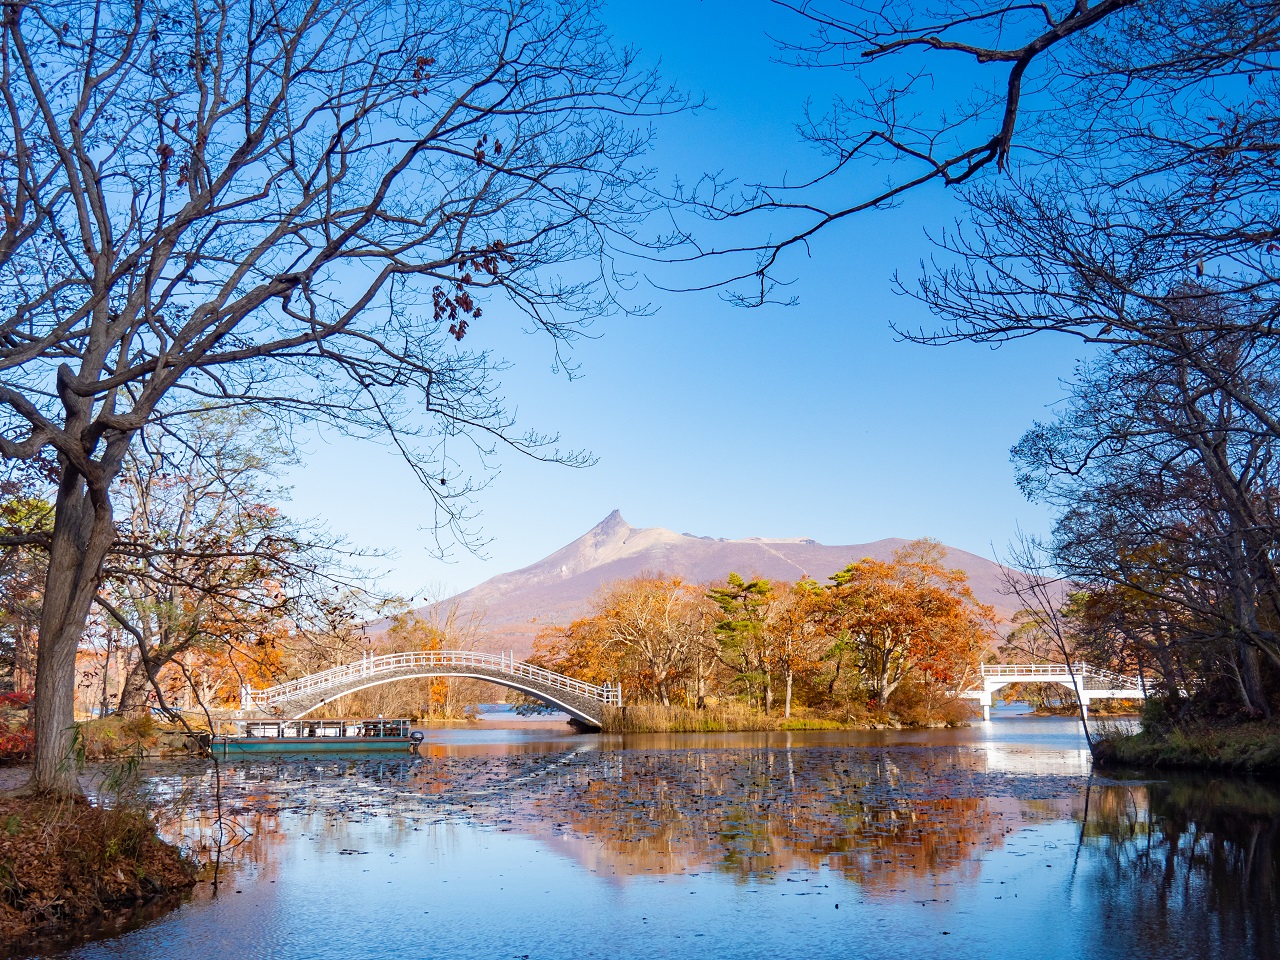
[
  {"x": 584, "y": 702},
  {"x": 546, "y": 698},
  {"x": 1087, "y": 682},
  {"x": 996, "y": 685}
]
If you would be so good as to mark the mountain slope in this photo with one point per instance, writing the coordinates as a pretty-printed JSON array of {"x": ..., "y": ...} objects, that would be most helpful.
[{"x": 560, "y": 587}]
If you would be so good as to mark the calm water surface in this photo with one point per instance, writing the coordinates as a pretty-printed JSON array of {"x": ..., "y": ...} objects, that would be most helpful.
[{"x": 985, "y": 842}]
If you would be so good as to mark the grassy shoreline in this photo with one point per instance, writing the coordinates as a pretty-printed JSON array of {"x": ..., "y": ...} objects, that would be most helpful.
[
  {"x": 1249, "y": 748},
  {"x": 736, "y": 718},
  {"x": 68, "y": 868}
]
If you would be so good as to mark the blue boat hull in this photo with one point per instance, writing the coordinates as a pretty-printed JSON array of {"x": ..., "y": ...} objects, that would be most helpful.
[{"x": 242, "y": 745}]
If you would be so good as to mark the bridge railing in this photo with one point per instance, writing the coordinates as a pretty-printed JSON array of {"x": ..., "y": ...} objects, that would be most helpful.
[
  {"x": 1106, "y": 680},
  {"x": 1090, "y": 677},
  {"x": 505, "y": 664}
]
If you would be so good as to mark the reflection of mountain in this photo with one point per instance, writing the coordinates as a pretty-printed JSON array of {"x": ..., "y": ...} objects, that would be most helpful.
[{"x": 559, "y": 587}]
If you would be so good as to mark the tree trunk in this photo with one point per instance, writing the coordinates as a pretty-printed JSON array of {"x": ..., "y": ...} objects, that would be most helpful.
[
  {"x": 1251, "y": 680},
  {"x": 24, "y": 656},
  {"x": 835, "y": 677},
  {"x": 104, "y": 703},
  {"x": 133, "y": 696},
  {"x": 701, "y": 699},
  {"x": 786, "y": 711},
  {"x": 882, "y": 682},
  {"x": 82, "y": 534}
]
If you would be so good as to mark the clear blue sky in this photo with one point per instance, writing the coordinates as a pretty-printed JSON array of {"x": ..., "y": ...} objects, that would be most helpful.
[{"x": 708, "y": 418}]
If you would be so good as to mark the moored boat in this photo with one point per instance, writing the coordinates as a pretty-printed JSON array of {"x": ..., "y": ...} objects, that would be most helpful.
[{"x": 315, "y": 736}]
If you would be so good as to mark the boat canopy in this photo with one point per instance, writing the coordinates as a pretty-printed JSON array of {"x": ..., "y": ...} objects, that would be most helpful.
[{"x": 294, "y": 729}]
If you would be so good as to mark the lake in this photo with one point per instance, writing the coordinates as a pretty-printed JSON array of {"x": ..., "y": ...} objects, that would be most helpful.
[{"x": 989, "y": 841}]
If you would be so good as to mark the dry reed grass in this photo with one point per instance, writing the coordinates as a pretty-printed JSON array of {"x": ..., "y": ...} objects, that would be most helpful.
[{"x": 718, "y": 718}]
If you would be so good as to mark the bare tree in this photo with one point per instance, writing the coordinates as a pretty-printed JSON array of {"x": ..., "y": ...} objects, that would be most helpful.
[
  {"x": 207, "y": 565},
  {"x": 1134, "y": 131},
  {"x": 299, "y": 205},
  {"x": 661, "y": 623},
  {"x": 1044, "y": 630},
  {"x": 1117, "y": 165},
  {"x": 1166, "y": 489}
]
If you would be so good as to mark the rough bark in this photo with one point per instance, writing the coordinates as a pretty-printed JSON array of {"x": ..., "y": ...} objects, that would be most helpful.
[
  {"x": 133, "y": 696},
  {"x": 82, "y": 534},
  {"x": 1251, "y": 680}
]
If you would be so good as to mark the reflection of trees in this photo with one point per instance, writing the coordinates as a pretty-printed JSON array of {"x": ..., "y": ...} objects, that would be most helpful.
[
  {"x": 750, "y": 813},
  {"x": 759, "y": 813},
  {"x": 1189, "y": 848},
  {"x": 1183, "y": 868},
  {"x": 250, "y": 837}
]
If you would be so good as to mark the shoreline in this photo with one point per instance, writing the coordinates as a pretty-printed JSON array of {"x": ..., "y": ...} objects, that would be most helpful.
[
  {"x": 69, "y": 869},
  {"x": 1250, "y": 749},
  {"x": 652, "y": 718}
]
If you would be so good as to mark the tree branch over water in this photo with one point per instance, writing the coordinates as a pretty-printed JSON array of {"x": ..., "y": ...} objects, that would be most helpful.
[{"x": 300, "y": 207}]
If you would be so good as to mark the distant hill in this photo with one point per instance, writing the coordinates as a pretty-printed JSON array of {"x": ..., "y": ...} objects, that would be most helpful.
[{"x": 559, "y": 588}]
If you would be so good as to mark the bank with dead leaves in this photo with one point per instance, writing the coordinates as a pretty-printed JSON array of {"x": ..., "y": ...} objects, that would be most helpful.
[{"x": 69, "y": 868}]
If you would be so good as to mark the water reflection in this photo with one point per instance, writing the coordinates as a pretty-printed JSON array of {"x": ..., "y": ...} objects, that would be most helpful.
[
  {"x": 1189, "y": 864},
  {"x": 745, "y": 843}
]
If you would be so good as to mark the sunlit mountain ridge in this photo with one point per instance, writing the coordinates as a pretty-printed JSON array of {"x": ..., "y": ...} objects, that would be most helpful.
[{"x": 559, "y": 588}]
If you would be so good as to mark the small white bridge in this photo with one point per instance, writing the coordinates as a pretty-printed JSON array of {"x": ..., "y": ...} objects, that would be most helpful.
[
  {"x": 1088, "y": 682},
  {"x": 297, "y": 698}
]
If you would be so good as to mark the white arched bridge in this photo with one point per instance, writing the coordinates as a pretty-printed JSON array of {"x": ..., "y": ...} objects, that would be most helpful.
[
  {"x": 296, "y": 698},
  {"x": 1087, "y": 682},
  {"x": 584, "y": 702}
]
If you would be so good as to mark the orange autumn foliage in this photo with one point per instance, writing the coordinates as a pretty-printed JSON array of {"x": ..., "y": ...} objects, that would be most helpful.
[
  {"x": 909, "y": 615},
  {"x": 645, "y": 633},
  {"x": 840, "y": 649}
]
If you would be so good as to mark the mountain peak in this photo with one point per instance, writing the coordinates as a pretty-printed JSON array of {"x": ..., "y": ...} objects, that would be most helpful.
[
  {"x": 612, "y": 521},
  {"x": 559, "y": 587},
  {"x": 612, "y": 529}
]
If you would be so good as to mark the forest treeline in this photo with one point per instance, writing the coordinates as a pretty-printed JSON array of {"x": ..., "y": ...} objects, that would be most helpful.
[
  {"x": 1116, "y": 169},
  {"x": 880, "y": 638},
  {"x": 1162, "y": 565},
  {"x": 1130, "y": 212},
  {"x": 210, "y": 586}
]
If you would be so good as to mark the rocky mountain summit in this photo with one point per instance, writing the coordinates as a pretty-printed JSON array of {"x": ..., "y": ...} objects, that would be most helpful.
[{"x": 559, "y": 587}]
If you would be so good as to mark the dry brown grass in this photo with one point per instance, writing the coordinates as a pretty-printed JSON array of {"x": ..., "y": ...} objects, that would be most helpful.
[
  {"x": 718, "y": 718},
  {"x": 66, "y": 866},
  {"x": 1243, "y": 748},
  {"x": 122, "y": 738},
  {"x": 731, "y": 716}
]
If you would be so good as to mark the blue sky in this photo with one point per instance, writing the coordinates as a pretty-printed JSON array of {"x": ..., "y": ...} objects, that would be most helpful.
[{"x": 810, "y": 420}]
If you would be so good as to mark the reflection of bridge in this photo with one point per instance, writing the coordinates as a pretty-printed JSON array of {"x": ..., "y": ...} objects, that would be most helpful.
[
  {"x": 1088, "y": 683},
  {"x": 297, "y": 698}
]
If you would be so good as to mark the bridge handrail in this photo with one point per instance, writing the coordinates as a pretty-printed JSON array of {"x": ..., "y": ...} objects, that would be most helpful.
[
  {"x": 386, "y": 663},
  {"x": 1083, "y": 671}
]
